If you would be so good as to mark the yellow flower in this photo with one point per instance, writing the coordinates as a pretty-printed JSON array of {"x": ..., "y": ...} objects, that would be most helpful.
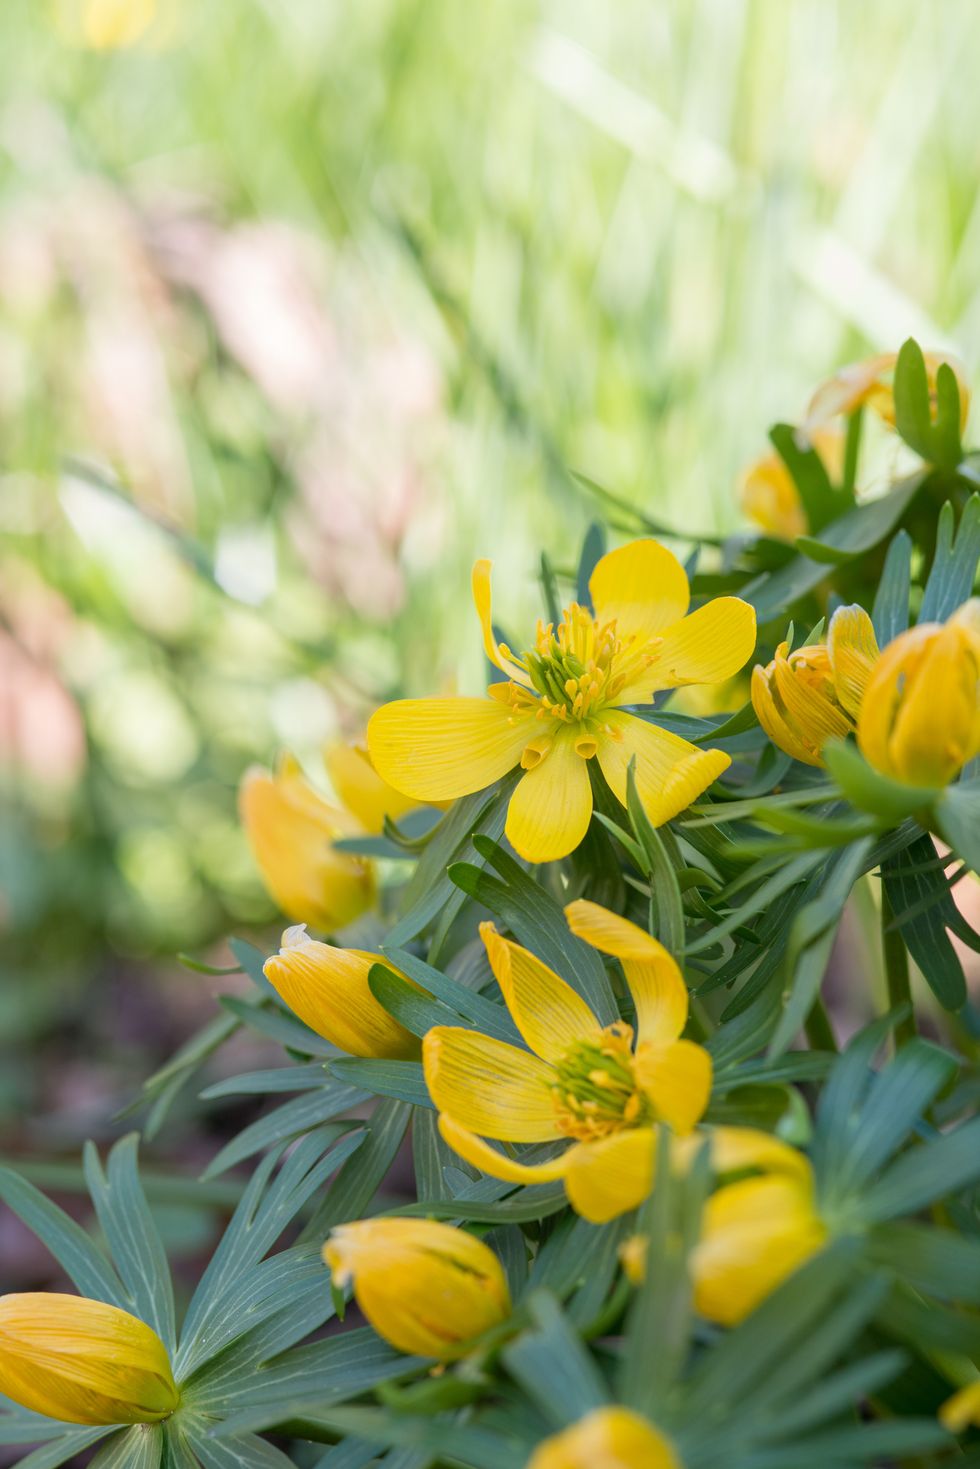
[
  {"x": 291, "y": 830},
  {"x": 427, "y": 1288},
  {"x": 920, "y": 720},
  {"x": 770, "y": 499},
  {"x": 563, "y": 703},
  {"x": 755, "y": 1231},
  {"x": 328, "y": 989},
  {"x": 870, "y": 382},
  {"x": 360, "y": 789},
  {"x": 578, "y": 1081},
  {"x": 806, "y": 698},
  {"x": 607, "y": 1438},
  {"x": 962, "y": 1410},
  {"x": 82, "y": 1361}
]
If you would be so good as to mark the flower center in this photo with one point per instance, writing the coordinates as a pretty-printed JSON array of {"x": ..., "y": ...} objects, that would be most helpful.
[
  {"x": 578, "y": 668},
  {"x": 595, "y": 1091}
]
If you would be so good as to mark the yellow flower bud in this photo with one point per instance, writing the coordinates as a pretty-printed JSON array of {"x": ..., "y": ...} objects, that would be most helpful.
[
  {"x": 770, "y": 499},
  {"x": 607, "y": 1438},
  {"x": 360, "y": 788},
  {"x": 291, "y": 830},
  {"x": 328, "y": 989},
  {"x": 82, "y": 1361},
  {"x": 806, "y": 698},
  {"x": 962, "y": 1410},
  {"x": 427, "y": 1288},
  {"x": 920, "y": 720}
]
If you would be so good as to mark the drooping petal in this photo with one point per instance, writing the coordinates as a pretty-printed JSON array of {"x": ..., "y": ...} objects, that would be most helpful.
[
  {"x": 707, "y": 646},
  {"x": 497, "y": 1165},
  {"x": 360, "y": 788},
  {"x": 439, "y": 749},
  {"x": 677, "y": 1079},
  {"x": 655, "y": 981},
  {"x": 498, "y": 655},
  {"x": 853, "y": 651},
  {"x": 490, "y": 1087},
  {"x": 606, "y": 1438},
  {"x": 754, "y": 1234},
  {"x": 547, "y": 1011},
  {"x": 670, "y": 773},
  {"x": 327, "y": 987},
  {"x": 550, "y": 809},
  {"x": 606, "y": 1178},
  {"x": 642, "y": 586}
]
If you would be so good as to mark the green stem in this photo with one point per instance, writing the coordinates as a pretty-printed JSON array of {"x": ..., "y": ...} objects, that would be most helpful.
[
  {"x": 896, "y": 964},
  {"x": 819, "y": 1031}
]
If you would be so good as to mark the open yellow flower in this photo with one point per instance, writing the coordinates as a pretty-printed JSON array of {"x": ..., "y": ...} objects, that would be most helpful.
[
  {"x": 564, "y": 703},
  {"x": 291, "y": 829},
  {"x": 770, "y": 499},
  {"x": 805, "y": 698},
  {"x": 920, "y": 720},
  {"x": 427, "y": 1288},
  {"x": 328, "y": 989},
  {"x": 81, "y": 1361},
  {"x": 607, "y": 1438},
  {"x": 870, "y": 382},
  {"x": 757, "y": 1230},
  {"x": 579, "y": 1080}
]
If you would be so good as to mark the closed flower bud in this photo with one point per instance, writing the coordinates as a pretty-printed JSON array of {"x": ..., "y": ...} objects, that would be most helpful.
[
  {"x": 805, "y": 698},
  {"x": 82, "y": 1361},
  {"x": 920, "y": 721},
  {"x": 291, "y": 830},
  {"x": 607, "y": 1438},
  {"x": 427, "y": 1288},
  {"x": 328, "y": 989}
]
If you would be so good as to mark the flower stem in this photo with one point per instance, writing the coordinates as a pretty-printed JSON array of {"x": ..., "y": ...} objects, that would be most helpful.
[{"x": 896, "y": 964}]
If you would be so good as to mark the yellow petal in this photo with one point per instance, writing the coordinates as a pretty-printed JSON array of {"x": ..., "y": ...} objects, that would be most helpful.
[
  {"x": 805, "y": 689},
  {"x": 733, "y": 1149},
  {"x": 754, "y": 1234},
  {"x": 606, "y": 1178},
  {"x": 291, "y": 830},
  {"x": 655, "y": 981},
  {"x": 962, "y": 1410},
  {"x": 709, "y": 645},
  {"x": 853, "y": 651},
  {"x": 497, "y": 1165},
  {"x": 81, "y": 1361},
  {"x": 498, "y": 655},
  {"x": 550, "y": 809},
  {"x": 677, "y": 1079},
  {"x": 607, "y": 1438},
  {"x": 935, "y": 727},
  {"x": 642, "y": 587},
  {"x": 670, "y": 773},
  {"x": 490, "y": 1087},
  {"x": 547, "y": 1011},
  {"x": 772, "y": 719},
  {"x": 439, "y": 749},
  {"x": 426, "y": 1287},
  {"x": 360, "y": 788},
  {"x": 328, "y": 989}
]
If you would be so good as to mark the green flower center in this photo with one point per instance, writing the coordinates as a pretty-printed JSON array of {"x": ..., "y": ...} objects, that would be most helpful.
[{"x": 595, "y": 1091}]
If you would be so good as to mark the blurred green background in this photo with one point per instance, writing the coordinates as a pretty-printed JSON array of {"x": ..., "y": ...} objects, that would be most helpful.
[{"x": 303, "y": 305}]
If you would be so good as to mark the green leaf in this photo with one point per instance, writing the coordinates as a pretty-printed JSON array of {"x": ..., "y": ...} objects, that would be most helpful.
[
  {"x": 666, "y": 904},
  {"x": 937, "y": 1170},
  {"x": 552, "y": 1366},
  {"x": 890, "y": 613},
  {"x": 70, "y": 1441},
  {"x": 954, "y": 566},
  {"x": 537, "y": 922},
  {"x": 868, "y": 790},
  {"x": 351, "y": 1192},
  {"x": 939, "y": 1261},
  {"x": 593, "y": 548},
  {"x": 264, "y": 1083},
  {"x": 244, "y": 1452},
  {"x": 418, "y": 1013},
  {"x": 486, "y": 1015},
  {"x": 301, "y": 1115},
  {"x": 821, "y": 501},
  {"x": 64, "y": 1239},
  {"x": 937, "y": 441},
  {"x": 132, "y": 1235},
  {"x": 400, "y": 1079},
  {"x": 958, "y": 818},
  {"x": 139, "y": 1447}
]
